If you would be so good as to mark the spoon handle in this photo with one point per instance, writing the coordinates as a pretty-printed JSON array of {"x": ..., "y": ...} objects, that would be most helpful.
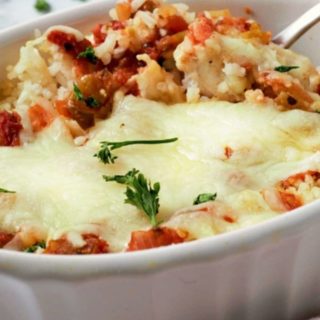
[{"x": 287, "y": 37}]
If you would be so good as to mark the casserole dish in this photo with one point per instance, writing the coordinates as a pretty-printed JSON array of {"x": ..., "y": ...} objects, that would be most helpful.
[{"x": 229, "y": 276}]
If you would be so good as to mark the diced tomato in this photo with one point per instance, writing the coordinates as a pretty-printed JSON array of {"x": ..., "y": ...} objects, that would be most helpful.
[
  {"x": 62, "y": 108},
  {"x": 285, "y": 195},
  {"x": 133, "y": 89},
  {"x": 5, "y": 237},
  {"x": 123, "y": 10},
  {"x": 296, "y": 179},
  {"x": 10, "y": 127},
  {"x": 129, "y": 61},
  {"x": 290, "y": 201},
  {"x": 94, "y": 245},
  {"x": 98, "y": 35},
  {"x": 149, "y": 5},
  {"x": 39, "y": 117},
  {"x": 68, "y": 42},
  {"x": 169, "y": 43},
  {"x": 201, "y": 30},
  {"x": 71, "y": 46},
  {"x": 141, "y": 240},
  {"x": 275, "y": 86},
  {"x": 288, "y": 197},
  {"x": 60, "y": 246},
  {"x": 254, "y": 31},
  {"x": 122, "y": 70},
  {"x": 204, "y": 209},
  {"x": 152, "y": 51},
  {"x": 227, "y": 24},
  {"x": 122, "y": 75},
  {"x": 228, "y": 152},
  {"x": 117, "y": 25},
  {"x": 229, "y": 219},
  {"x": 175, "y": 24}
]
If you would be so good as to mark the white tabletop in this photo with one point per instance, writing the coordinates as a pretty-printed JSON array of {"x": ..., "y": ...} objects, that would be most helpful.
[{"x": 17, "y": 11}]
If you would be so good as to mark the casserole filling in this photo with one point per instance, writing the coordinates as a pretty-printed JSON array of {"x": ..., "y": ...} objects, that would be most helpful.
[{"x": 161, "y": 126}]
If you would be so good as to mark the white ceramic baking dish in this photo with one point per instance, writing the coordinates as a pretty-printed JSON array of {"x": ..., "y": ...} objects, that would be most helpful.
[{"x": 267, "y": 271}]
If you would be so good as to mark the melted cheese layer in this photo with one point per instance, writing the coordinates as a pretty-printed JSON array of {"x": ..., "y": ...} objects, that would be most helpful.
[{"x": 59, "y": 186}]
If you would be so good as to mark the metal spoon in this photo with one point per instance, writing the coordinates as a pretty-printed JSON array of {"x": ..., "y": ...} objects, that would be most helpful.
[{"x": 287, "y": 37}]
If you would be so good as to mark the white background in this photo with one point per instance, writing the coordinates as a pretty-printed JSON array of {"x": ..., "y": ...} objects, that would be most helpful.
[{"x": 17, "y": 11}]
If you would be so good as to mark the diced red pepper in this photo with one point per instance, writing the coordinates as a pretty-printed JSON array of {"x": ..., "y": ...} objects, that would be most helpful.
[
  {"x": 5, "y": 237},
  {"x": 201, "y": 30},
  {"x": 141, "y": 240},
  {"x": 228, "y": 152},
  {"x": 117, "y": 25},
  {"x": 122, "y": 75},
  {"x": 296, "y": 179},
  {"x": 60, "y": 246},
  {"x": 175, "y": 24},
  {"x": 290, "y": 201},
  {"x": 39, "y": 117},
  {"x": 62, "y": 108},
  {"x": 68, "y": 42},
  {"x": 10, "y": 127},
  {"x": 94, "y": 245},
  {"x": 229, "y": 219},
  {"x": 98, "y": 35}
]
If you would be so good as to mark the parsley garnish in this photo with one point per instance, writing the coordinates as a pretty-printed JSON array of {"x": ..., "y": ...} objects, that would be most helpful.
[
  {"x": 78, "y": 94},
  {"x": 140, "y": 193},
  {"x": 205, "y": 197},
  {"x": 42, "y": 6},
  {"x": 105, "y": 155},
  {"x": 285, "y": 68},
  {"x": 91, "y": 102},
  {"x": 36, "y": 246},
  {"x": 6, "y": 191},
  {"x": 89, "y": 55}
]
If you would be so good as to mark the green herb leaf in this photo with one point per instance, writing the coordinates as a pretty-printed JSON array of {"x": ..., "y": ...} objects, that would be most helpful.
[
  {"x": 285, "y": 68},
  {"x": 88, "y": 54},
  {"x": 205, "y": 197},
  {"x": 140, "y": 193},
  {"x": 6, "y": 191},
  {"x": 36, "y": 246},
  {"x": 90, "y": 102},
  {"x": 77, "y": 93},
  {"x": 42, "y": 6},
  {"x": 105, "y": 155}
]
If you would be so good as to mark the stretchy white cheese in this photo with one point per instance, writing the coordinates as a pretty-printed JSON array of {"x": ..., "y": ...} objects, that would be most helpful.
[{"x": 60, "y": 189}]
